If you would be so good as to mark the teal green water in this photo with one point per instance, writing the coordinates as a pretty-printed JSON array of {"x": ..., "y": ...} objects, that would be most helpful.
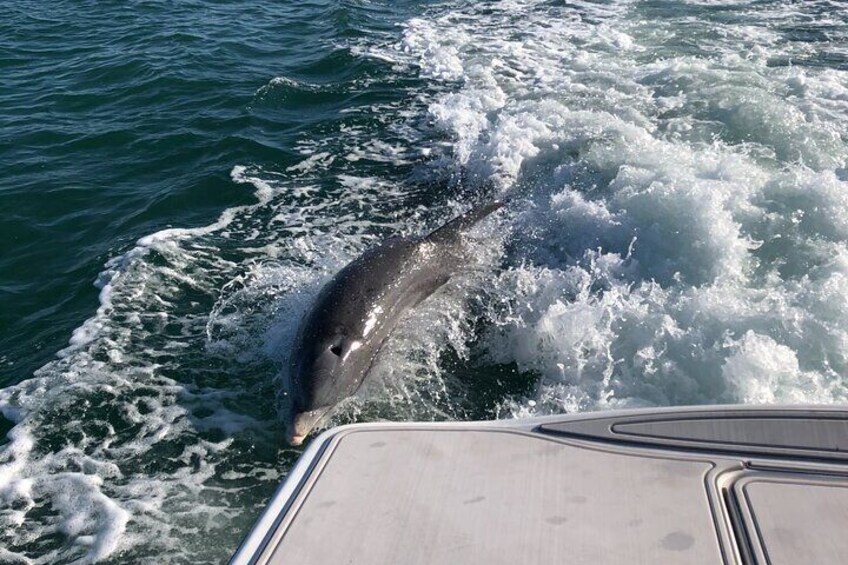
[
  {"x": 179, "y": 179},
  {"x": 120, "y": 119}
]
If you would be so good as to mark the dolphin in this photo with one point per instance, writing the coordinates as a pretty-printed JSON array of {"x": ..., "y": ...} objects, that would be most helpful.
[{"x": 355, "y": 312}]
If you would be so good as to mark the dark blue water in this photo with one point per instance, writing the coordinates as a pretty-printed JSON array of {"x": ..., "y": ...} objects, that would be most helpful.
[{"x": 178, "y": 179}]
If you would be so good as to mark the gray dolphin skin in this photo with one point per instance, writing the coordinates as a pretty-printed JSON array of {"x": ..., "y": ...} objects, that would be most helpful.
[{"x": 353, "y": 315}]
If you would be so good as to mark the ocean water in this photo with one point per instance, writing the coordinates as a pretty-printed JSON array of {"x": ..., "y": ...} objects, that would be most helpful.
[{"x": 179, "y": 179}]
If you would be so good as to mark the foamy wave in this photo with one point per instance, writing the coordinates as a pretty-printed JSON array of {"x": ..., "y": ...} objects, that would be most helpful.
[{"x": 685, "y": 224}]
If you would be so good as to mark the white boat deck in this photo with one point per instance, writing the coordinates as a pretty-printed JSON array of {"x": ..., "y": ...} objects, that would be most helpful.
[{"x": 712, "y": 485}]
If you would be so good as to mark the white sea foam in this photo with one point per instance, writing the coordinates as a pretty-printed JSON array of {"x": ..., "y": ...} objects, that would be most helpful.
[{"x": 687, "y": 210}]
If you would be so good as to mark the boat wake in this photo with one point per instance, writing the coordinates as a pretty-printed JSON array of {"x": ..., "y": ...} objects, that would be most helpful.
[{"x": 676, "y": 235}]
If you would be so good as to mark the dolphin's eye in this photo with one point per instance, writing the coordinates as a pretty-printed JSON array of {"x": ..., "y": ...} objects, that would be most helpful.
[{"x": 336, "y": 350}]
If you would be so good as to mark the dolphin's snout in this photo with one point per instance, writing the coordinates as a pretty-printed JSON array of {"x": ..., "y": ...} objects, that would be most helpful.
[{"x": 302, "y": 424}]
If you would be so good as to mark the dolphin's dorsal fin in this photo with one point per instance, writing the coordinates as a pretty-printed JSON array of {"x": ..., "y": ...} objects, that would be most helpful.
[{"x": 463, "y": 223}]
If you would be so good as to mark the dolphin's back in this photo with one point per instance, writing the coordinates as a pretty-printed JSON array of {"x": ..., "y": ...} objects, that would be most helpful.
[
  {"x": 363, "y": 303},
  {"x": 360, "y": 306}
]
